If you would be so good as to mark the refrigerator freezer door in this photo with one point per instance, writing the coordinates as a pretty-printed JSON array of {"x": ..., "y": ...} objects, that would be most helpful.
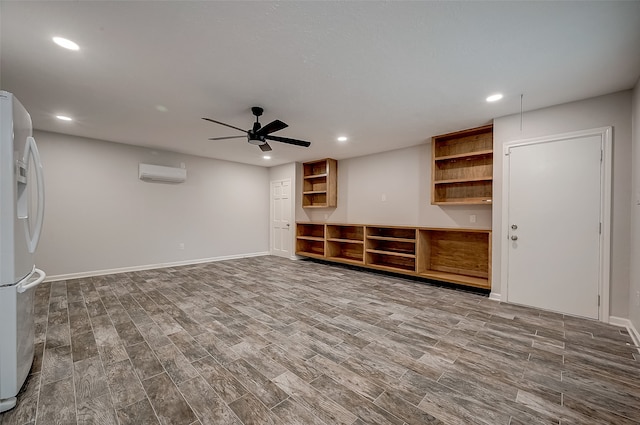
[{"x": 16, "y": 258}]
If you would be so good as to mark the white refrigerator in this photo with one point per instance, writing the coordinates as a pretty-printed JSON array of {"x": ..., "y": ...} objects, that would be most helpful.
[{"x": 21, "y": 217}]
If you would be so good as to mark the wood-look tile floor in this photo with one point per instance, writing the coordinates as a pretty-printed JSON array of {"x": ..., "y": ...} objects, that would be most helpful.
[{"x": 268, "y": 340}]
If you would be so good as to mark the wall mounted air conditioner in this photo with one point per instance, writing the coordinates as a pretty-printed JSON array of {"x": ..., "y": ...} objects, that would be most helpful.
[{"x": 158, "y": 173}]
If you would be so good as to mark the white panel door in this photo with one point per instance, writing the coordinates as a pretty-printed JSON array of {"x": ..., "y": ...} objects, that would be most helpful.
[
  {"x": 281, "y": 218},
  {"x": 554, "y": 210}
]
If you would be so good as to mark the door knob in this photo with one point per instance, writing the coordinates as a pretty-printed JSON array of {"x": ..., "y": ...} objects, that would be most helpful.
[
  {"x": 514, "y": 238},
  {"x": 288, "y": 225}
]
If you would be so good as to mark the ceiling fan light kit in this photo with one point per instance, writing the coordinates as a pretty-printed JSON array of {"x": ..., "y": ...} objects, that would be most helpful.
[{"x": 258, "y": 135}]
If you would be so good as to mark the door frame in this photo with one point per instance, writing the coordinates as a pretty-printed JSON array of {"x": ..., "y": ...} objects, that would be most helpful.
[
  {"x": 604, "y": 278},
  {"x": 291, "y": 217}
]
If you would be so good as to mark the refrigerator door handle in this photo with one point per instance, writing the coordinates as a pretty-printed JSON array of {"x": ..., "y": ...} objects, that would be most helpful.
[
  {"x": 24, "y": 286},
  {"x": 32, "y": 240}
]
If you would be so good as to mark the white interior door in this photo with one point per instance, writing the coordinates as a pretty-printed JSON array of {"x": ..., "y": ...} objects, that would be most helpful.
[
  {"x": 554, "y": 224},
  {"x": 281, "y": 218}
]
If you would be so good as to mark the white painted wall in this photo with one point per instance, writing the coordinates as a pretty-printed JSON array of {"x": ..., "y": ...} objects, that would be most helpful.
[
  {"x": 634, "y": 285},
  {"x": 100, "y": 216},
  {"x": 403, "y": 177},
  {"x": 610, "y": 110}
]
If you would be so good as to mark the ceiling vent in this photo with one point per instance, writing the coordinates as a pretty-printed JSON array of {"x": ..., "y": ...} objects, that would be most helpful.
[{"x": 158, "y": 173}]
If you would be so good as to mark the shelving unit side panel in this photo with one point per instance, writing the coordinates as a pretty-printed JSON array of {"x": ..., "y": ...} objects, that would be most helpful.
[
  {"x": 423, "y": 251},
  {"x": 433, "y": 171},
  {"x": 332, "y": 182}
]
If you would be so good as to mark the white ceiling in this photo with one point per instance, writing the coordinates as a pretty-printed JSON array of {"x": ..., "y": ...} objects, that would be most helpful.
[{"x": 386, "y": 74}]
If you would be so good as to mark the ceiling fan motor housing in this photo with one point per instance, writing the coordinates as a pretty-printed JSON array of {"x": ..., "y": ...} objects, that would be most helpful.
[{"x": 256, "y": 140}]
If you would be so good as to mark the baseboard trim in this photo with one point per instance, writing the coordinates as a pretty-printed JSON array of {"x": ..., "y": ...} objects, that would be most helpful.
[
  {"x": 80, "y": 275},
  {"x": 626, "y": 323},
  {"x": 495, "y": 296}
]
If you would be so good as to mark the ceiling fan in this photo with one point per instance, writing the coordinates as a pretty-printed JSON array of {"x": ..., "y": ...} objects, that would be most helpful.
[{"x": 259, "y": 135}]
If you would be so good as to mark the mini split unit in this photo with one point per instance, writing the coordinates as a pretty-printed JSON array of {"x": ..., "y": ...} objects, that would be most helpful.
[{"x": 158, "y": 173}]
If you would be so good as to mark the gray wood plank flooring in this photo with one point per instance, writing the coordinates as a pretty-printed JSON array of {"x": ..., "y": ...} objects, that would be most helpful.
[{"x": 268, "y": 340}]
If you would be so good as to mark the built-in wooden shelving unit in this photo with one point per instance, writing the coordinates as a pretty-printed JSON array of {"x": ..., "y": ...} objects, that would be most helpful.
[
  {"x": 320, "y": 183},
  {"x": 461, "y": 256},
  {"x": 462, "y": 167}
]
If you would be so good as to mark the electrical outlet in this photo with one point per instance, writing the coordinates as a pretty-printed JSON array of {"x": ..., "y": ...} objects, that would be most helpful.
[
  {"x": 181, "y": 246},
  {"x": 384, "y": 197},
  {"x": 472, "y": 218},
  {"x": 637, "y": 298}
]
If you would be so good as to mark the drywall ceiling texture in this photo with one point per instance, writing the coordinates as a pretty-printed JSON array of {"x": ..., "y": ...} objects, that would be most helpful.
[
  {"x": 611, "y": 110},
  {"x": 100, "y": 217},
  {"x": 393, "y": 188},
  {"x": 388, "y": 74}
]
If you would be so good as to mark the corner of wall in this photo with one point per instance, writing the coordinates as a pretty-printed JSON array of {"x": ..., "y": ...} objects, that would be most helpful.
[{"x": 634, "y": 278}]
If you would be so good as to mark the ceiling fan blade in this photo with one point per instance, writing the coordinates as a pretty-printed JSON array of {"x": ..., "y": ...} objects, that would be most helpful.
[
  {"x": 290, "y": 141},
  {"x": 265, "y": 147},
  {"x": 228, "y": 137},
  {"x": 272, "y": 127},
  {"x": 226, "y": 125}
]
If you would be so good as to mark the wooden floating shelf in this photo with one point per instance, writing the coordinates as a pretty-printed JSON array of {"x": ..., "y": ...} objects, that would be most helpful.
[
  {"x": 465, "y": 155},
  {"x": 455, "y": 278},
  {"x": 345, "y": 241},
  {"x": 347, "y": 260},
  {"x": 310, "y": 238},
  {"x": 465, "y": 201},
  {"x": 472, "y": 179},
  {"x": 397, "y": 254},
  {"x": 388, "y": 238},
  {"x": 454, "y": 255},
  {"x": 316, "y": 176}
]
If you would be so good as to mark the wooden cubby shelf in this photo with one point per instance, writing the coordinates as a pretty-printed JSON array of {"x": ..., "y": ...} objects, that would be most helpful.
[
  {"x": 454, "y": 255},
  {"x": 320, "y": 183},
  {"x": 345, "y": 243},
  {"x": 462, "y": 167},
  {"x": 310, "y": 240},
  {"x": 460, "y": 256}
]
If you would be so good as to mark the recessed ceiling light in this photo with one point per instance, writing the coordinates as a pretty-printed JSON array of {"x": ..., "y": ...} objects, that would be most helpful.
[
  {"x": 64, "y": 118},
  {"x": 67, "y": 44},
  {"x": 342, "y": 139},
  {"x": 266, "y": 157},
  {"x": 494, "y": 97}
]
